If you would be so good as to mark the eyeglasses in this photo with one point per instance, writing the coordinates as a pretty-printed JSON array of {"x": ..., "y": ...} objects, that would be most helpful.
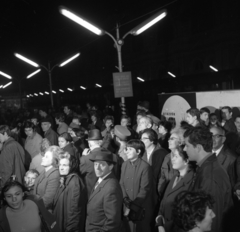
[
  {"x": 172, "y": 138},
  {"x": 217, "y": 136},
  {"x": 144, "y": 138}
]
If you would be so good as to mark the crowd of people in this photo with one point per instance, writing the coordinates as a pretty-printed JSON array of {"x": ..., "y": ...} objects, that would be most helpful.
[{"x": 89, "y": 171}]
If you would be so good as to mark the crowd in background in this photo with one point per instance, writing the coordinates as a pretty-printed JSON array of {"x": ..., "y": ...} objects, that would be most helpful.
[{"x": 97, "y": 170}]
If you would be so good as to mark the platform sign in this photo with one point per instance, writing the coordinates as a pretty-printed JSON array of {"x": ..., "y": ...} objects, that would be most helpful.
[{"x": 122, "y": 83}]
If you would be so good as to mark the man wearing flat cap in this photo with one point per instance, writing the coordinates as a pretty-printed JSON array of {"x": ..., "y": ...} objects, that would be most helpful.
[
  {"x": 49, "y": 133},
  {"x": 105, "y": 202}
]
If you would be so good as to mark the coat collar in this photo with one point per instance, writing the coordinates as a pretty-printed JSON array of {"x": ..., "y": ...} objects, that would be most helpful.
[
  {"x": 100, "y": 186},
  {"x": 4, "y": 221},
  {"x": 183, "y": 182},
  {"x": 222, "y": 155}
]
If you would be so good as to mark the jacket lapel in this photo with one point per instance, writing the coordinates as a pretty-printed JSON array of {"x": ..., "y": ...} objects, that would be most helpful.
[
  {"x": 221, "y": 156},
  {"x": 100, "y": 186}
]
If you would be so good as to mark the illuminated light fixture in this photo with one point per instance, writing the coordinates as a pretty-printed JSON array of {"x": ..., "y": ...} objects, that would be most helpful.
[
  {"x": 27, "y": 96},
  {"x": 80, "y": 21},
  {"x": 32, "y": 74},
  {"x": 214, "y": 69},
  {"x": 98, "y": 85},
  {"x": 5, "y": 75},
  {"x": 70, "y": 59},
  {"x": 26, "y": 60},
  {"x": 148, "y": 23},
  {"x": 46, "y": 92},
  {"x": 35, "y": 94},
  {"x": 41, "y": 93},
  {"x": 54, "y": 91},
  {"x": 1, "y": 86},
  {"x": 171, "y": 74},
  {"x": 30, "y": 95},
  {"x": 82, "y": 87},
  {"x": 140, "y": 79},
  {"x": 61, "y": 90},
  {"x": 69, "y": 89},
  {"x": 9, "y": 83}
]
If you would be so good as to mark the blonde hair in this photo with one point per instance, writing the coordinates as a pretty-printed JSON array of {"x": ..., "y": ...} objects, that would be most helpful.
[
  {"x": 179, "y": 131},
  {"x": 56, "y": 151}
]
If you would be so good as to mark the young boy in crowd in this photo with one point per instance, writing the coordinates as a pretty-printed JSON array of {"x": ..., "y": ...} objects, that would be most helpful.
[{"x": 29, "y": 179}]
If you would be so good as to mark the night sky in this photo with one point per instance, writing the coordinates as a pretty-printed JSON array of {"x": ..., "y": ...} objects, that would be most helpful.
[{"x": 36, "y": 29}]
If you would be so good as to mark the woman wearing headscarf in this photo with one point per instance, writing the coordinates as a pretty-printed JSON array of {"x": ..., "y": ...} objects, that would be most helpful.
[{"x": 71, "y": 196}]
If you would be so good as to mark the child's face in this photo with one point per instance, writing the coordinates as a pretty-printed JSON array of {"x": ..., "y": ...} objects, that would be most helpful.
[
  {"x": 30, "y": 179},
  {"x": 131, "y": 153}
]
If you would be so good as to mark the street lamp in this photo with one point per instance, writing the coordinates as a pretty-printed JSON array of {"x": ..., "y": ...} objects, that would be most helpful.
[
  {"x": 48, "y": 69},
  {"x": 118, "y": 41}
]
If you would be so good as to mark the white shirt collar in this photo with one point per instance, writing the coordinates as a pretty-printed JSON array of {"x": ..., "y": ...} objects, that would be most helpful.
[
  {"x": 218, "y": 150},
  {"x": 100, "y": 179}
]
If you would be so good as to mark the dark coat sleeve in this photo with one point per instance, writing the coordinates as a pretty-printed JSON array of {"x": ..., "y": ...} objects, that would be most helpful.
[
  {"x": 122, "y": 179},
  {"x": 145, "y": 187},
  {"x": 76, "y": 200}
]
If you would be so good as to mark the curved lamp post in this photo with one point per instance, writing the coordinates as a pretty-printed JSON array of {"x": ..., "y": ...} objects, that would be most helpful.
[
  {"x": 118, "y": 41},
  {"x": 49, "y": 69}
]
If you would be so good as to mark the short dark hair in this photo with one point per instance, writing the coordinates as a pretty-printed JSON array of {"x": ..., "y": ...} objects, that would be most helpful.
[
  {"x": 66, "y": 136},
  {"x": 167, "y": 125},
  {"x": 29, "y": 124},
  {"x": 80, "y": 133},
  {"x": 9, "y": 184},
  {"x": 5, "y": 128},
  {"x": 152, "y": 135},
  {"x": 60, "y": 117},
  {"x": 212, "y": 114},
  {"x": 227, "y": 108},
  {"x": 204, "y": 110},
  {"x": 124, "y": 116},
  {"x": 137, "y": 145},
  {"x": 194, "y": 112},
  {"x": 237, "y": 116},
  {"x": 108, "y": 117},
  {"x": 190, "y": 207},
  {"x": 199, "y": 135}
]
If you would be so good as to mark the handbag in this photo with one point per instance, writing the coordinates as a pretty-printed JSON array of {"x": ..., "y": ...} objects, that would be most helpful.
[{"x": 137, "y": 213}]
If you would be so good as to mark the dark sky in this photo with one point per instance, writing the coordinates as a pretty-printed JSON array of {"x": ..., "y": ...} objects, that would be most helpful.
[{"x": 36, "y": 29}]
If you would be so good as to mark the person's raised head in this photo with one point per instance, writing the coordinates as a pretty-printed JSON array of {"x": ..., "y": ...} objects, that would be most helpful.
[
  {"x": 226, "y": 112},
  {"x": 148, "y": 137},
  {"x": 51, "y": 157},
  {"x": 144, "y": 123},
  {"x": 193, "y": 116},
  {"x": 135, "y": 148}
]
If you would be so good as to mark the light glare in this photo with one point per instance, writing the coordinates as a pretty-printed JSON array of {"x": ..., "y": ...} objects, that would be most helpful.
[
  {"x": 32, "y": 74},
  {"x": 171, "y": 74},
  {"x": 61, "y": 90},
  {"x": 69, "y": 89},
  {"x": 26, "y": 60},
  {"x": 5, "y": 75},
  {"x": 46, "y": 92},
  {"x": 214, "y": 69},
  {"x": 9, "y": 83},
  {"x": 98, "y": 85},
  {"x": 140, "y": 79},
  {"x": 40, "y": 93},
  {"x": 70, "y": 59},
  {"x": 82, "y": 87},
  {"x": 81, "y": 21}
]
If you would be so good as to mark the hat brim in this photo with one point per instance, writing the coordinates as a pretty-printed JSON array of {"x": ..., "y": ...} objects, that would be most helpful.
[{"x": 109, "y": 161}]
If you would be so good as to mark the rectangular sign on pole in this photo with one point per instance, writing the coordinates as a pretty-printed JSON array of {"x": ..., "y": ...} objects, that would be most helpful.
[{"x": 122, "y": 83}]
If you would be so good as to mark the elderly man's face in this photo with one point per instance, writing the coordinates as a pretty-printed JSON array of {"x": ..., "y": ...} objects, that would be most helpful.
[{"x": 218, "y": 137}]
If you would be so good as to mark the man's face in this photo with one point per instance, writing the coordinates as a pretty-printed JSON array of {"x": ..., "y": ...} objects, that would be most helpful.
[
  {"x": 191, "y": 119},
  {"x": 93, "y": 118},
  {"x": 237, "y": 123},
  {"x": 226, "y": 115},
  {"x": 213, "y": 119},
  {"x": 145, "y": 139},
  {"x": 101, "y": 168},
  {"x": 45, "y": 126},
  {"x": 191, "y": 150},
  {"x": 124, "y": 122},
  {"x": 204, "y": 116},
  {"x": 218, "y": 138},
  {"x": 28, "y": 131},
  {"x": 30, "y": 179},
  {"x": 142, "y": 124},
  {"x": 66, "y": 110}
]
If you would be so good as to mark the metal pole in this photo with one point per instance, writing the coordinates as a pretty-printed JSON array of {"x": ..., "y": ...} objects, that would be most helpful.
[
  {"x": 20, "y": 93},
  {"x": 119, "y": 47},
  {"x": 50, "y": 83}
]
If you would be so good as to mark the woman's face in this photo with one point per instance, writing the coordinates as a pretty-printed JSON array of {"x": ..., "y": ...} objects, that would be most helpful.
[
  {"x": 47, "y": 159},
  {"x": 173, "y": 141},
  {"x": 62, "y": 142},
  {"x": 178, "y": 162},
  {"x": 206, "y": 223},
  {"x": 161, "y": 130},
  {"x": 64, "y": 167},
  {"x": 131, "y": 153},
  {"x": 14, "y": 197}
]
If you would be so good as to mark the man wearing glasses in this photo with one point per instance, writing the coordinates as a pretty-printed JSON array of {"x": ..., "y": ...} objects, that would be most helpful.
[{"x": 225, "y": 156}]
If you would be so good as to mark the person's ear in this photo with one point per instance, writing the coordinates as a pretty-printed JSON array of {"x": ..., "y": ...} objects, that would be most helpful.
[
  {"x": 138, "y": 151},
  {"x": 223, "y": 139},
  {"x": 199, "y": 148}
]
